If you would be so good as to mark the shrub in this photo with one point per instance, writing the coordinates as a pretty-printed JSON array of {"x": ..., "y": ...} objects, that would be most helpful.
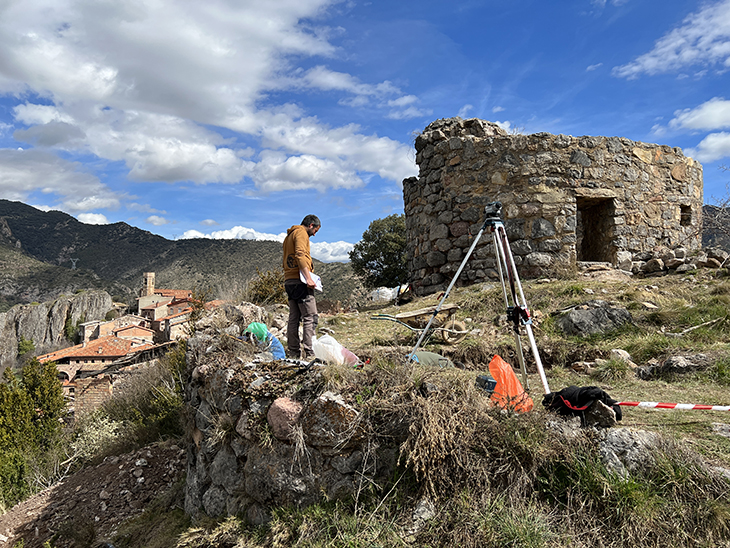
[
  {"x": 25, "y": 346},
  {"x": 71, "y": 329},
  {"x": 149, "y": 405},
  {"x": 94, "y": 433},
  {"x": 267, "y": 287}
]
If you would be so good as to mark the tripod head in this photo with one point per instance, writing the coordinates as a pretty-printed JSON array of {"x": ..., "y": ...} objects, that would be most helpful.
[{"x": 493, "y": 213}]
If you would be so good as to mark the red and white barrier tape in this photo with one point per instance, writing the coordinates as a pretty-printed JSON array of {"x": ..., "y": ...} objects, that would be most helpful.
[{"x": 657, "y": 405}]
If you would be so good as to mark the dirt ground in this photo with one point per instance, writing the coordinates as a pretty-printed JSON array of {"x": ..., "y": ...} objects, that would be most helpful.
[{"x": 92, "y": 503}]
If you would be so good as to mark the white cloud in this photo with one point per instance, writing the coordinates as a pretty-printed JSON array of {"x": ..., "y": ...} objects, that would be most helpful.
[
  {"x": 703, "y": 38},
  {"x": 713, "y": 114},
  {"x": 146, "y": 83},
  {"x": 277, "y": 172},
  {"x": 23, "y": 172},
  {"x": 208, "y": 222},
  {"x": 507, "y": 126},
  {"x": 386, "y": 157},
  {"x": 591, "y": 68},
  {"x": 403, "y": 101},
  {"x": 328, "y": 252},
  {"x": 235, "y": 233},
  {"x": 93, "y": 219},
  {"x": 155, "y": 147},
  {"x": 190, "y": 234},
  {"x": 327, "y": 80},
  {"x": 156, "y": 220},
  {"x": 713, "y": 147},
  {"x": 143, "y": 208},
  {"x": 409, "y": 112},
  {"x": 464, "y": 111},
  {"x": 497, "y": 109}
]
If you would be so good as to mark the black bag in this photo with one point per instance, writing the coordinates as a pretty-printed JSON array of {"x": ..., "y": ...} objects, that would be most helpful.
[{"x": 575, "y": 400}]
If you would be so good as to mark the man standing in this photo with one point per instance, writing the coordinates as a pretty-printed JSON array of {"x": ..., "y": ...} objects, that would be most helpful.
[{"x": 299, "y": 285}]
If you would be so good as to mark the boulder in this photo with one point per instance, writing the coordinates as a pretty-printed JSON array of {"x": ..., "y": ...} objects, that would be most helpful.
[
  {"x": 598, "y": 318},
  {"x": 624, "y": 450}
]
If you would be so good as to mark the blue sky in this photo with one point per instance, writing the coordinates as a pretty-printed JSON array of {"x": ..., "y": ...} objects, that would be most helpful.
[{"x": 236, "y": 118}]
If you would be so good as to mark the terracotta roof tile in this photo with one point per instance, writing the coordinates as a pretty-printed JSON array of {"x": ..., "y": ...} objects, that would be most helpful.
[
  {"x": 175, "y": 293},
  {"x": 104, "y": 347}
]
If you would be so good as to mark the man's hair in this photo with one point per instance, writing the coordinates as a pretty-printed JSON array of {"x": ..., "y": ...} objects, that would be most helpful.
[{"x": 311, "y": 220}]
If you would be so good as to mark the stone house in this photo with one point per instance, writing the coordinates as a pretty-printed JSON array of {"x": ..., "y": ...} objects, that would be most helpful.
[
  {"x": 94, "y": 355},
  {"x": 565, "y": 200},
  {"x": 150, "y": 296},
  {"x": 97, "y": 328}
]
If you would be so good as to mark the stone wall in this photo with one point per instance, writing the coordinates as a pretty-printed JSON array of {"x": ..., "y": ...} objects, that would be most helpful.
[
  {"x": 90, "y": 393},
  {"x": 565, "y": 199},
  {"x": 264, "y": 434}
]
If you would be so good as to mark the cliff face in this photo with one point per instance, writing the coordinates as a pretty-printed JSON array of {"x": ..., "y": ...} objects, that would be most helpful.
[{"x": 43, "y": 323}]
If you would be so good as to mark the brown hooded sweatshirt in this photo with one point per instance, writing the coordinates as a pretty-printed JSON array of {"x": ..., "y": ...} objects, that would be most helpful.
[{"x": 296, "y": 252}]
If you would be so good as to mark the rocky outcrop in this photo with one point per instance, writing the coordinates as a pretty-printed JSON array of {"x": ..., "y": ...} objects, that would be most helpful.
[{"x": 44, "y": 323}]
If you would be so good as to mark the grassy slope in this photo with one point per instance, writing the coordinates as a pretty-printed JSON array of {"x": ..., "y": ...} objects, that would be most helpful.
[{"x": 505, "y": 481}]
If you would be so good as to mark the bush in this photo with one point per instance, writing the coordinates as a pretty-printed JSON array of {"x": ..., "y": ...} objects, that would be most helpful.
[
  {"x": 71, "y": 329},
  {"x": 149, "y": 405},
  {"x": 25, "y": 346},
  {"x": 267, "y": 287}
]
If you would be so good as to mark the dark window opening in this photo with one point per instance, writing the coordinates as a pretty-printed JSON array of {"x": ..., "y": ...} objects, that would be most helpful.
[
  {"x": 685, "y": 215},
  {"x": 594, "y": 225}
]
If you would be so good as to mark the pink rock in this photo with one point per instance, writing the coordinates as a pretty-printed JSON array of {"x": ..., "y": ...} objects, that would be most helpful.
[{"x": 282, "y": 416}]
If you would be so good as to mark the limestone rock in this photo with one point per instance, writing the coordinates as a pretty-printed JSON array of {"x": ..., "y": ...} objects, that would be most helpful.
[
  {"x": 328, "y": 421},
  {"x": 44, "y": 323},
  {"x": 598, "y": 319},
  {"x": 624, "y": 450}
]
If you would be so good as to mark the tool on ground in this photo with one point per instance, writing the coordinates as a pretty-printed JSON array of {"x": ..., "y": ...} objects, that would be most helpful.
[
  {"x": 686, "y": 406},
  {"x": 446, "y": 325},
  {"x": 517, "y": 311}
]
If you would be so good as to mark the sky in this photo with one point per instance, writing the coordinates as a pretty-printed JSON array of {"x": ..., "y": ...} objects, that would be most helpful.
[{"x": 236, "y": 118}]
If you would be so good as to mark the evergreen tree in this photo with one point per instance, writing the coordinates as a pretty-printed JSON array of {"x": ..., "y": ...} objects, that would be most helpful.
[
  {"x": 31, "y": 409},
  {"x": 380, "y": 257}
]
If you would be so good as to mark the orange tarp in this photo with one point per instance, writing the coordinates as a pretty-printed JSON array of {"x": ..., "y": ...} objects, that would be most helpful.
[{"x": 508, "y": 393}]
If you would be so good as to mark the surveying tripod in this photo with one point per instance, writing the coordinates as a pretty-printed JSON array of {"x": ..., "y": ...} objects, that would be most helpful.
[{"x": 517, "y": 311}]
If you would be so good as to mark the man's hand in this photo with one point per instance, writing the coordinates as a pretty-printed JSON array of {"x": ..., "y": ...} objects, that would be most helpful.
[{"x": 310, "y": 281}]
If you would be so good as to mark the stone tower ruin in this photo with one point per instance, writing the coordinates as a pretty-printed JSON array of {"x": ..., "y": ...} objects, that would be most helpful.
[
  {"x": 148, "y": 285},
  {"x": 565, "y": 200}
]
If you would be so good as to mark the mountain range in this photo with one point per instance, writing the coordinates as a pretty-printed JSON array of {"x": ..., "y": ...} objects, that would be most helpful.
[{"x": 44, "y": 254}]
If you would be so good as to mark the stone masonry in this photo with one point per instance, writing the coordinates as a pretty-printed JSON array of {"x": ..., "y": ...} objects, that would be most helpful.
[{"x": 565, "y": 200}]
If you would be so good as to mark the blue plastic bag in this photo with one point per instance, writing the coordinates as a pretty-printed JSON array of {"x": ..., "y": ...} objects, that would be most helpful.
[{"x": 265, "y": 340}]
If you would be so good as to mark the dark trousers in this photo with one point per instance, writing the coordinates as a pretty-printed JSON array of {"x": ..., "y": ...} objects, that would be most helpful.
[{"x": 302, "y": 309}]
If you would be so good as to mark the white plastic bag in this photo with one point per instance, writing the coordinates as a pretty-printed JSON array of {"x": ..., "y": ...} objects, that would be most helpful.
[
  {"x": 383, "y": 295},
  {"x": 327, "y": 349}
]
